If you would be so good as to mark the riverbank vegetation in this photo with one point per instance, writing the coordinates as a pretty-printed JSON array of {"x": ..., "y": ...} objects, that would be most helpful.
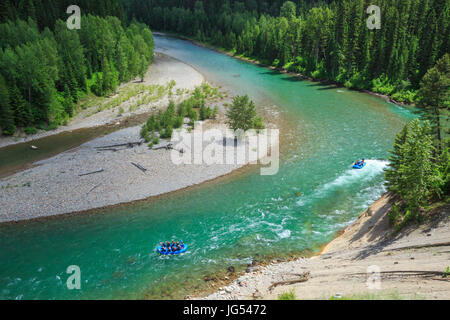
[
  {"x": 242, "y": 115},
  {"x": 46, "y": 69},
  {"x": 162, "y": 123},
  {"x": 419, "y": 169},
  {"x": 325, "y": 40}
]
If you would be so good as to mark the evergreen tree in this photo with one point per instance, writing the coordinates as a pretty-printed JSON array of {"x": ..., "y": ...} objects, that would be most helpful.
[
  {"x": 68, "y": 101},
  {"x": 414, "y": 174},
  {"x": 396, "y": 159},
  {"x": 435, "y": 97},
  {"x": 110, "y": 78},
  {"x": 6, "y": 114},
  {"x": 241, "y": 114},
  {"x": 142, "y": 67},
  {"x": 22, "y": 112}
]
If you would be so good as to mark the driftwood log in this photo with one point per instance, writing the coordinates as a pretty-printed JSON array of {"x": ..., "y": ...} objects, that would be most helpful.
[
  {"x": 108, "y": 149},
  {"x": 128, "y": 144},
  {"x": 137, "y": 165},
  {"x": 168, "y": 146},
  {"x": 92, "y": 172}
]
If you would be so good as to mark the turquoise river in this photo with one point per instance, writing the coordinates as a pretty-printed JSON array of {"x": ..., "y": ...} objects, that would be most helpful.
[{"x": 228, "y": 222}]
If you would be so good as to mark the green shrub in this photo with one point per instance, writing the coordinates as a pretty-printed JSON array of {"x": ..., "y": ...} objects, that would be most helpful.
[
  {"x": 30, "y": 130},
  {"x": 287, "y": 296},
  {"x": 258, "y": 123},
  {"x": 382, "y": 85},
  {"x": 167, "y": 132},
  {"x": 193, "y": 115},
  {"x": 9, "y": 131},
  {"x": 394, "y": 215},
  {"x": 178, "y": 122},
  {"x": 215, "y": 112},
  {"x": 405, "y": 96}
]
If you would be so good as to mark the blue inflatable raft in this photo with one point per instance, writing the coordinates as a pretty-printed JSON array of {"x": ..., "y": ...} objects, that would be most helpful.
[
  {"x": 159, "y": 250},
  {"x": 359, "y": 166}
]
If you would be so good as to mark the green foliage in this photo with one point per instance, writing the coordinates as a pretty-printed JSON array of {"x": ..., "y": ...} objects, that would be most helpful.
[
  {"x": 446, "y": 272},
  {"x": 324, "y": 39},
  {"x": 173, "y": 117},
  {"x": 45, "y": 72},
  {"x": 258, "y": 123},
  {"x": 394, "y": 215},
  {"x": 400, "y": 216},
  {"x": 30, "y": 130},
  {"x": 207, "y": 113},
  {"x": 242, "y": 114},
  {"x": 178, "y": 122},
  {"x": 434, "y": 97},
  {"x": 166, "y": 132},
  {"x": 6, "y": 113},
  {"x": 47, "y": 12},
  {"x": 287, "y": 296},
  {"x": 382, "y": 85},
  {"x": 414, "y": 173}
]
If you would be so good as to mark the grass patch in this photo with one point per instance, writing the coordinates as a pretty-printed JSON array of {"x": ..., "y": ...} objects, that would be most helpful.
[{"x": 287, "y": 296}]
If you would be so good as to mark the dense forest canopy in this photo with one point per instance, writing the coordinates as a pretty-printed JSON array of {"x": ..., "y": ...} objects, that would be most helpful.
[
  {"x": 47, "y": 12},
  {"x": 45, "y": 68},
  {"x": 322, "y": 39}
]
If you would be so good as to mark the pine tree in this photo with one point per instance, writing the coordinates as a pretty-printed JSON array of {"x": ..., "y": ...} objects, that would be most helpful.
[
  {"x": 241, "y": 114},
  {"x": 396, "y": 159},
  {"x": 110, "y": 77},
  {"x": 142, "y": 67},
  {"x": 68, "y": 101},
  {"x": 6, "y": 114},
  {"x": 418, "y": 173},
  {"x": 434, "y": 96},
  {"x": 22, "y": 111}
]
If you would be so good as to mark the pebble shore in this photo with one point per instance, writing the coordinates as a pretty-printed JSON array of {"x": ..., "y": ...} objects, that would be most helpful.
[{"x": 54, "y": 186}]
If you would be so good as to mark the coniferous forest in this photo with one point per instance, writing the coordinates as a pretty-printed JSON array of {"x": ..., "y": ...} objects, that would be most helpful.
[
  {"x": 325, "y": 40},
  {"x": 45, "y": 68},
  {"x": 321, "y": 39}
]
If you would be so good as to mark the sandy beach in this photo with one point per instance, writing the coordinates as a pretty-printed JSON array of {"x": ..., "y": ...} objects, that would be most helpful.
[{"x": 407, "y": 265}]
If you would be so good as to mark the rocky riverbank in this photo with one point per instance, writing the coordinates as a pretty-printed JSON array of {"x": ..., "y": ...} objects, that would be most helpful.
[{"x": 367, "y": 261}]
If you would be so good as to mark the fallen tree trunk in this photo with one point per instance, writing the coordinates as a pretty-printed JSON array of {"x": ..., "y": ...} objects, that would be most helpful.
[
  {"x": 168, "y": 146},
  {"x": 108, "y": 149},
  {"x": 129, "y": 144},
  {"x": 88, "y": 173},
  {"x": 137, "y": 165}
]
